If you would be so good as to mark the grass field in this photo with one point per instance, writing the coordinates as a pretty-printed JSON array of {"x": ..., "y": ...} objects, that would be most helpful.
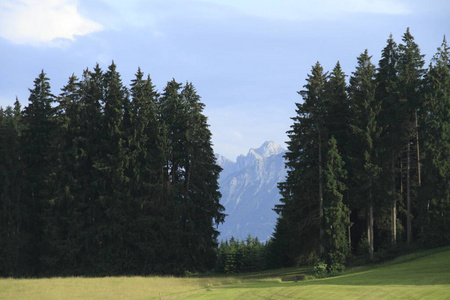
[{"x": 418, "y": 276}]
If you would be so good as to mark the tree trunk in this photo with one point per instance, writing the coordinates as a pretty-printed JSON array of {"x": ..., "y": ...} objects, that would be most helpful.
[
  {"x": 370, "y": 225},
  {"x": 419, "y": 179},
  {"x": 394, "y": 204},
  {"x": 408, "y": 195},
  {"x": 349, "y": 234}
]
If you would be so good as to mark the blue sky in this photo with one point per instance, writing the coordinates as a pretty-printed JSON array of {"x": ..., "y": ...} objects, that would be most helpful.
[{"x": 247, "y": 58}]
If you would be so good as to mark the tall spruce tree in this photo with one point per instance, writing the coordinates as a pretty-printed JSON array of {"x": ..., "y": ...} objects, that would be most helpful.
[
  {"x": 337, "y": 107},
  {"x": 191, "y": 177},
  {"x": 391, "y": 120},
  {"x": 336, "y": 214},
  {"x": 173, "y": 124},
  {"x": 410, "y": 76},
  {"x": 88, "y": 151},
  {"x": 144, "y": 171},
  {"x": 60, "y": 215},
  {"x": 302, "y": 192},
  {"x": 435, "y": 190},
  {"x": 37, "y": 140},
  {"x": 12, "y": 209},
  {"x": 110, "y": 165},
  {"x": 202, "y": 210},
  {"x": 364, "y": 167}
]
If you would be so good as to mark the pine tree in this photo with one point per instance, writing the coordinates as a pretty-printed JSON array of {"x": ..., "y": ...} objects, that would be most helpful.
[
  {"x": 302, "y": 192},
  {"x": 337, "y": 107},
  {"x": 12, "y": 210},
  {"x": 391, "y": 120},
  {"x": 60, "y": 215},
  {"x": 191, "y": 176},
  {"x": 146, "y": 181},
  {"x": 436, "y": 141},
  {"x": 37, "y": 140},
  {"x": 365, "y": 133},
  {"x": 410, "y": 77},
  {"x": 87, "y": 187},
  {"x": 201, "y": 196},
  {"x": 110, "y": 167},
  {"x": 336, "y": 213}
]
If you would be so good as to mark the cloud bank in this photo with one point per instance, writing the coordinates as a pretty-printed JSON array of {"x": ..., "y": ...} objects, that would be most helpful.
[{"x": 42, "y": 22}]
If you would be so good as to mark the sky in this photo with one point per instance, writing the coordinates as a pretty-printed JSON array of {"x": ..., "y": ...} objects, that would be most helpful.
[{"x": 246, "y": 58}]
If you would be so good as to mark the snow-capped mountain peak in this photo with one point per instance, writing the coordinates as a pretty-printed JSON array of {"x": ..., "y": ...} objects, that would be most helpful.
[
  {"x": 268, "y": 149},
  {"x": 249, "y": 191}
]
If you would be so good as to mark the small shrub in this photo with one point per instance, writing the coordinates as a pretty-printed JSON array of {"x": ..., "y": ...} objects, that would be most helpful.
[
  {"x": 320, "y": 269},
  {"x": 307, "y": 259},
  {"x": 336, "y": 268},
  {"x": 191, "y": 274}
]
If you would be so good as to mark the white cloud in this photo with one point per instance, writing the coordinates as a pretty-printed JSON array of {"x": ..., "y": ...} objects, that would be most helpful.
[{"x": 39, "y": 22}]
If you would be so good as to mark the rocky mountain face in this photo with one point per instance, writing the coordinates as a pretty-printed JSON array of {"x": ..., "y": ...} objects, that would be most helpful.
[{"x": 249, "y": 192}]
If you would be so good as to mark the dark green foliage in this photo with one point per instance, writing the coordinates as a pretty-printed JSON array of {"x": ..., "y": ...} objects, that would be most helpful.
[
  {"x": 390, "y": 119},
  {"x": 236, "y": 256},
  {"x": 37, "y": 149},
  {"x": 365, "y": 131},
  {"x": 391, "y": 128},
  {"x": 435, "y": 189},
  {"x": 108, "y": 181},
  {"x": 302, "y": 199},
  {"x": 13, "y": 235},
  {"x": 337, "y": 105},
  {"x": 336, "y": 216},
  {"x": 410, "y": 77}
]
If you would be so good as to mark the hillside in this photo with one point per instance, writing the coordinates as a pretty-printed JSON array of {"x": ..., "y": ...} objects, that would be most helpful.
[{"x": 423, "y": 277}]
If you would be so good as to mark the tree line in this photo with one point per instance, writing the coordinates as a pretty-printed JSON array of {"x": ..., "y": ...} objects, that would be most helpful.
[
  {"x": 368, "y": 160},
  {"x": 103, "y": 179}
]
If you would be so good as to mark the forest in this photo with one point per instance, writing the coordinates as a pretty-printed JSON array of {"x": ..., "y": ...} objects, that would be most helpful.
[
  {"x": 105, "y": 179},
  {"x": 369, "y": 160}
]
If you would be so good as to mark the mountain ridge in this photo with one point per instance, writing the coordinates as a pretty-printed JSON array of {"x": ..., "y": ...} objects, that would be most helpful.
[{"x": 249, "y": 191}]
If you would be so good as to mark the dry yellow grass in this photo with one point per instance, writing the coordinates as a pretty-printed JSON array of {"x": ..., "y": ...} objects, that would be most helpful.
[{"x": 104, "y": 288}]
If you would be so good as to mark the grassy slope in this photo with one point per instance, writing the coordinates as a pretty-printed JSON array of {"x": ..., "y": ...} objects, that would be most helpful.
[{"x": 421, "y": 278}]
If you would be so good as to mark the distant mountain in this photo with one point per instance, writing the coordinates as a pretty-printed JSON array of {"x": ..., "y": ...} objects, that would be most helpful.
[{"x": 249, "y": 191}]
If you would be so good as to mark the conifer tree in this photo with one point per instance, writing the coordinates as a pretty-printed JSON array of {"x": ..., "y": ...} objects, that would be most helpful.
[
  {"x": 12, "y": 210},
  {"x": 337, "y": 107},
  {"x": 302, "y": 192},
  {"x": 435, "y": 209},
  {"x": 391, "y": 120},
  {"x": 60, "y": 215},
  {"x": 365, "y": 133},
  {"x": 201, "y": 196},
  {"x": 110, "y": 165},
  {"x": 37, "y": 140},
  {"x": 410, "y": 70},
  {"x": 88, "y": 150},
  {"x": 336, "y": 213},
  {"x": 145, "y": 172}
]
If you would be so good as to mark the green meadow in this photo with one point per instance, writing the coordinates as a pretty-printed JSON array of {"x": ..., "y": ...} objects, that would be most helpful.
[{"x": 423, "y": 275}]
